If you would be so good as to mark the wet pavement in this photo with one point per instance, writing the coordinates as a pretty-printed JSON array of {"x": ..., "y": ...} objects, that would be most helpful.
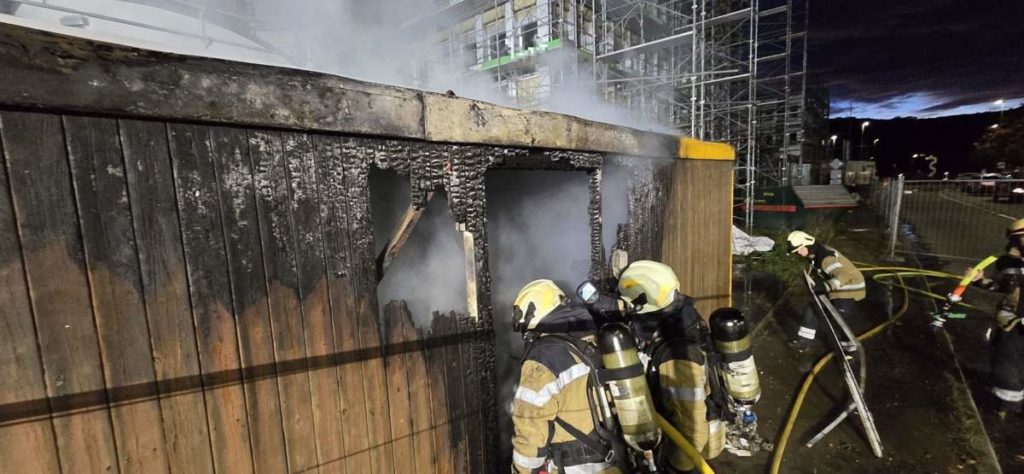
[{"x": 915, "y": 389}]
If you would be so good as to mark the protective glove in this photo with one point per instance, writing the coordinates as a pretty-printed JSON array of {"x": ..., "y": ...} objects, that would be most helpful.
[
  {"x": 820, "y": 286},
  {"x": 990, "y": 285}
]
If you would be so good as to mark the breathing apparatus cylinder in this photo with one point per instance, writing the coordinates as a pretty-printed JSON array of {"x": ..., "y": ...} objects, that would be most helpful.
[
  {"x": 731, "y": 337},
  {"x": 634, "y": 406}
]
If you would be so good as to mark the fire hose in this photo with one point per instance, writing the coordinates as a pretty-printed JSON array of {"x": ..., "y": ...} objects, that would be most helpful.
[
  {"x": 898, "y": 273},
  {"x": 680, "y": 441}
]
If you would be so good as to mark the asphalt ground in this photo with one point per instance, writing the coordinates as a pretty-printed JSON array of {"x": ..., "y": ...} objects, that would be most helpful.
[
  {"x": 915, "y": 388},
  {"x": 953, "y": 223}
]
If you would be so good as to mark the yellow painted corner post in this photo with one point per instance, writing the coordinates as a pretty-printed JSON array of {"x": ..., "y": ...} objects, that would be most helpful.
[
  {"x": 697, "y": 240},
  {"x": 693, "y": 149}
]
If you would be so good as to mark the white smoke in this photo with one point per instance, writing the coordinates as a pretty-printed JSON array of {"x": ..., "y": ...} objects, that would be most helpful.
[
  {"x": 397, "y": 42},
  {"x": 428, "y": 272}
]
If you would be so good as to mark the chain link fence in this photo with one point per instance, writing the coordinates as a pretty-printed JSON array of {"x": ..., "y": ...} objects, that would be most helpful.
[{"x": 962, "y": 220}]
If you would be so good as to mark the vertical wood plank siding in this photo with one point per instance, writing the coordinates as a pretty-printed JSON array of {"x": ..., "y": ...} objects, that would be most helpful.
[{"x": 182, "y": 298}]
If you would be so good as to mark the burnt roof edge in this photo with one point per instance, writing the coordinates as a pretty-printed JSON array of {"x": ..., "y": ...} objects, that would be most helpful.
[{"x": 51, "y": 71}]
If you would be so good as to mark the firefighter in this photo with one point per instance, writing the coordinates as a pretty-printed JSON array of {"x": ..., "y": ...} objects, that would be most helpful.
[
  {"x": 556, "y": 424},
  {"x": 670, "y": 332},
  {"x": 833, "y": 274},
  {"x": 1008, "y": 342}
]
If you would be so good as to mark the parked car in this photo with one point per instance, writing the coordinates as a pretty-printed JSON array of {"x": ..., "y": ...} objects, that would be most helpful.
[
  {"x": 964, "y": 177},
  {"x": 984, "y": 184},
  {"x": 1010, "y": 188}
]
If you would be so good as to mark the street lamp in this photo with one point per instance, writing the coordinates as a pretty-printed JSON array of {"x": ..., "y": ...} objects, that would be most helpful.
[
  {"x": 994, "y": 126},
  {"x": 863, "y": 125},
  {"x": 1002, "y": 108}
]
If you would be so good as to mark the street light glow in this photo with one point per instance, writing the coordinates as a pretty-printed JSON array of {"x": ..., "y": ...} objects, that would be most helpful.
[
  {"x": 875, "y": 142},
  {"x": 998, "y": 102},
  {"x": 995, "y": 125},
  {"x": 864, "y": 125}
]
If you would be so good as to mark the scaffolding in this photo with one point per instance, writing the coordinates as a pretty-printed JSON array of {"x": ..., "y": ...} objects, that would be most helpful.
[{"x": 723, "y": 70}]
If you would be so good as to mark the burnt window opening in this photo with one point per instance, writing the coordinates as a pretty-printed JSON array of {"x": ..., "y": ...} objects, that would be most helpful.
[{"x": 420, "y": 253}]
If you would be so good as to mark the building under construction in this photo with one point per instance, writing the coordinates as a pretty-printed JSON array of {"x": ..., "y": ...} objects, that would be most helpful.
[{"x": 730, "y": 71}]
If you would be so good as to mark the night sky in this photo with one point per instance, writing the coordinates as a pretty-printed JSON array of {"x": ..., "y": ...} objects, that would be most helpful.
[{"x": 924, "y": 58}]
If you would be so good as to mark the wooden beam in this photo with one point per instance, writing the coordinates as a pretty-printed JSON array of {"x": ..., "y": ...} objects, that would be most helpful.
[
  {"x": 469, "y": 249},
  {"x": 401, "y": 236},
  {"x": 50, "y": 71}
]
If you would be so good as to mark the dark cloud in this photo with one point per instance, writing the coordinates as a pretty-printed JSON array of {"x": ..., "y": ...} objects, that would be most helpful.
[{"x": 958, "y": 52}]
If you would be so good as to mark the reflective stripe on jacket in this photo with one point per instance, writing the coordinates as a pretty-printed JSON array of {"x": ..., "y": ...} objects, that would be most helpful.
[
  {"x": 681, "y": 387},
  {"x": 844, "y": 279},
  {"x": 553, "y": 384}
]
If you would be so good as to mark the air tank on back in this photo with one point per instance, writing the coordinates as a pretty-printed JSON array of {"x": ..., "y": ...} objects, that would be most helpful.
[
  {"x": 731, "y": 336},
  {"x": 634, "y": 406}
]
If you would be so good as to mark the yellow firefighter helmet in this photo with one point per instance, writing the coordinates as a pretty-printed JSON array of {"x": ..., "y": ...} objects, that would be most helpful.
[
  {"x": 655, "y": 280},
  {"x": 1016, "y": 228},
  {"x": 797, "y": 239},
  {"x": 536, "y": 300}
]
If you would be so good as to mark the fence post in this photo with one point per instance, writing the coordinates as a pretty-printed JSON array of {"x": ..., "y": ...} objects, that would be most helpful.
[{"x": 894, "y": 218}]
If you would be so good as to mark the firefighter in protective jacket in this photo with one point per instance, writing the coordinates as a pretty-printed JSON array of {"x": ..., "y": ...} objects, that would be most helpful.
[
  {"x": 833, "y": 275},
  {"x": 669, "y": 330},
  {"x": 552, "y": 410},
  {"x": 1008, "y": 342}
]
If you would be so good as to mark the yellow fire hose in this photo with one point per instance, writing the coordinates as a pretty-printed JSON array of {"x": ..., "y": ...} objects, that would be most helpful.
[
  {"x": 899, "y": 273},
  {"x": 677, "y": 438}
]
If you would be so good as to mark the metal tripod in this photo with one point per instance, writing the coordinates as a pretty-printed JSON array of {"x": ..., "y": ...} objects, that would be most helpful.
[{"x": 846, "y": 348}]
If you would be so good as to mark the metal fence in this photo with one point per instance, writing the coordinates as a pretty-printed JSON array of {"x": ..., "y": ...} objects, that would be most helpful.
[{"x": 951, "y": 219}]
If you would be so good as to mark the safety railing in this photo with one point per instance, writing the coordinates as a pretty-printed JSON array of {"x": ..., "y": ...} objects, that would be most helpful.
[{"x": 949, "y": 219}]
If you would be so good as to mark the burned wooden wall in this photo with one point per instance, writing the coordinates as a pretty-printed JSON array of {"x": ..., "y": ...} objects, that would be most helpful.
[
  {"x": 187, "y": 269},
  {"x": 201, "y": 298}
]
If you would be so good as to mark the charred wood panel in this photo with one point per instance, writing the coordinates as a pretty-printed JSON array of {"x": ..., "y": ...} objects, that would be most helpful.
[
  {"x": 471, "y": 379},
  {"x": 313, "y": 294},
  {"x": 256, "y": 276},
  {"x": 206, "y": 266},
  {"x": 363, "y": 272},
  {"x": 278, "y": 246},
  {"x": 352, "y": 369},
  {"x": 468, "y": 201},
  {"x": 25, "y": 425},
  {"x": 249, "y": 296},
  {"x": 165, "y": 293},
  {"x": 648, "y": 194},
  {"x": 59, "y": 290},
  {"x": 97, "y": 167}
]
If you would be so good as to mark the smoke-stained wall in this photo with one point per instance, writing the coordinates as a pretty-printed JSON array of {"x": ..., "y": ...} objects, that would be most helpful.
[{"x": 221, "y": 277}]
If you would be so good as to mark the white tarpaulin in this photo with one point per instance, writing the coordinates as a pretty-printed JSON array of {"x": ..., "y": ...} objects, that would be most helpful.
[{"x": 744, "y": 244}]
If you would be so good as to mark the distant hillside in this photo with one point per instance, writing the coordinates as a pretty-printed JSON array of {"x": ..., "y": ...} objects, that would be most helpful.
[{"x": 951, "y": 139}]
